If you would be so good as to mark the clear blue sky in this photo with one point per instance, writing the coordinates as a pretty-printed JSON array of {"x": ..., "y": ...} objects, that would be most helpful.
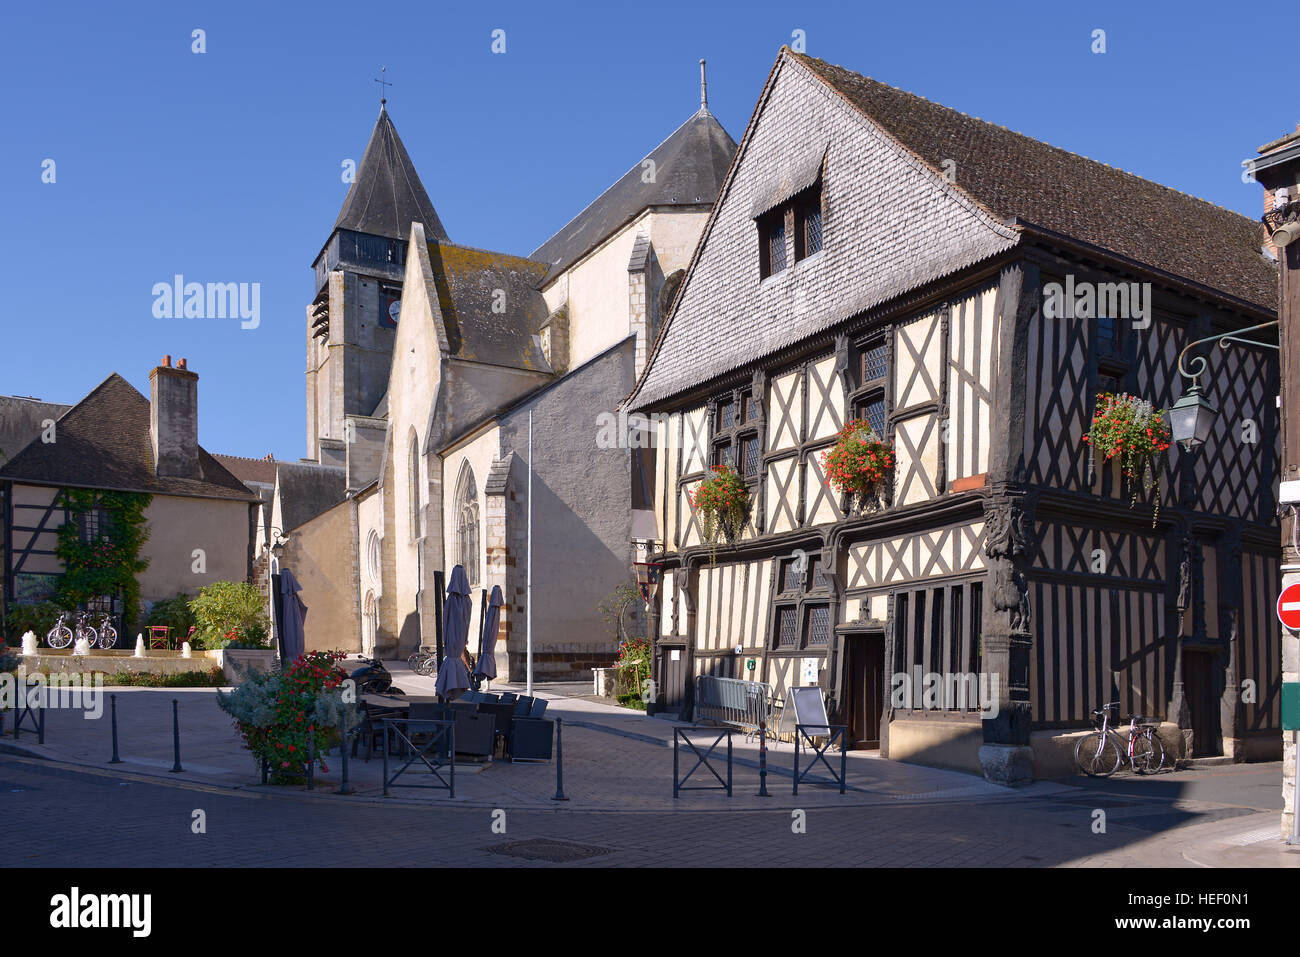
[{"x": 225, "y": 166}]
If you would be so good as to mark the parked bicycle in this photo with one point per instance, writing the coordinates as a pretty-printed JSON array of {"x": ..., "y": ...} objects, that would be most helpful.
[
  {"x": 61, "y": 635},
  {"x": 423, "y": 662},
  {"x": 1101, "y": 753}
]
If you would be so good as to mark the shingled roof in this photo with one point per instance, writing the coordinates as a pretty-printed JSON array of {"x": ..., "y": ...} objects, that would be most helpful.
[
  {"x": 103, "y": 442},
  {"x": 690, "y": 166},
  {"x": 306, "y": 489},
  {"x": 470, "y": 282},
  {"x": 387, "y": 196},
  {"x": 21, "y": 422},
  {"x": 1013, "y": 175}
]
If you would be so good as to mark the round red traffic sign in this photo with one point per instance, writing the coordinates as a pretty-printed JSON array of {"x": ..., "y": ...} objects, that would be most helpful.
[{"x": 1288, "y": 606}]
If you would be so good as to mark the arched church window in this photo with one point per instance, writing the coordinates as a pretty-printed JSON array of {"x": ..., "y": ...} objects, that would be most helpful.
[
  {"x": 467, "y": 524},
  {"x": 374, "y": 557},
  {"x": 413, "y": 490}
]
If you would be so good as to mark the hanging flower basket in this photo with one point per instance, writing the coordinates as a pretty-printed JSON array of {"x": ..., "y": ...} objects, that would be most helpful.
[
  {"x": 1132, "y": 430},
  {"x": 723, "y": 504},
  {"x": 859, "y": 465}
]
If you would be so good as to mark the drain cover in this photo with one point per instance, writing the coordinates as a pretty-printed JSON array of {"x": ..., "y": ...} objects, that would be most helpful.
[{"x": 546, "y": 849}]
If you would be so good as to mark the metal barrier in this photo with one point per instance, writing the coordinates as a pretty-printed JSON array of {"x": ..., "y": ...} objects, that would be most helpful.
[
  {"x": 442, "y": 731},
  {"x": 684, "y": 734},
  {"x": 23, "y": 709},
  {"x": 745, "y": 704},
  {"x": 806, "y": 733}
]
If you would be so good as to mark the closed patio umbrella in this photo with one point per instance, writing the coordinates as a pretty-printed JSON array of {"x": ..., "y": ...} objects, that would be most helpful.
[
  {"x": 486, "y": 666},
  {"x": 295, "y": 616},
  {"x": 453, "y": 676}
]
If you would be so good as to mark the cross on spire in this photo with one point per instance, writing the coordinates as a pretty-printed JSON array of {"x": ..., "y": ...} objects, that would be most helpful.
[{"x": 383, "y": 84}]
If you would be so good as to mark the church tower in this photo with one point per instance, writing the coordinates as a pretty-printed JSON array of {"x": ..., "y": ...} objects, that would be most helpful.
[{"x": 352, "y": 321}]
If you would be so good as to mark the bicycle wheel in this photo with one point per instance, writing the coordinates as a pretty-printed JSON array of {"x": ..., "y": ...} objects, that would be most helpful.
[
  {"x": 107, "y": 636},
  {"x": 1148, "y": 753},
  {"x": 59, "y": 637},
  {"x": 1097, "y": 756}
]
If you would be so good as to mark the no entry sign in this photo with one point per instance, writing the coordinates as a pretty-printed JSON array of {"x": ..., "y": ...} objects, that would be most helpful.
[{"x": 1288, "y": 606}]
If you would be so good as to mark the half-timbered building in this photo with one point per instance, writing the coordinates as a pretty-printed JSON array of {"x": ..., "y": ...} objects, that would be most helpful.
[{"x": 873, "y": 255}]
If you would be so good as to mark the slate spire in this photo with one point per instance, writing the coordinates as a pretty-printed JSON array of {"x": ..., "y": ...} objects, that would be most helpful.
[{"x": 387, "y": 195}]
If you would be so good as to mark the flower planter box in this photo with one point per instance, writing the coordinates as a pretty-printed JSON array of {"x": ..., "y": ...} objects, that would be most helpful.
[{"x": 239, "y": 663}]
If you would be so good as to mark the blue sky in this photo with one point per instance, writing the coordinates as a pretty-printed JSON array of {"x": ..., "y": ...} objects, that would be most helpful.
[{"x": 225, "y": 166}]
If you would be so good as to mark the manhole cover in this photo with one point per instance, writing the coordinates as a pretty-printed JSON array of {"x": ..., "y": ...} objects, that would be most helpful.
[{"x": 544, "y": 849}]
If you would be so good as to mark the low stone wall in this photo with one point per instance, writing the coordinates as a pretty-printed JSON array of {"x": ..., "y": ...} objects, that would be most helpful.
[
  {"x": 559, "y": 665},
  {"x": 158, "y": 662},
  {"x": 940, "y": 744}
]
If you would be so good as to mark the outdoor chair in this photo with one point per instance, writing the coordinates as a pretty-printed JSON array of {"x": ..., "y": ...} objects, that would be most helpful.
[
  {"x": 538, "y": 709},
  {"x": 160, "y": 636},
  {"x": 501, "y": 714},
  {"x": 372, "y": 726},
  {"x": 523, "y": 705},
  {"x": 508, "y": 697},
  {"x": 426, "y": 711},
  {"x": 530, "y": 739}
]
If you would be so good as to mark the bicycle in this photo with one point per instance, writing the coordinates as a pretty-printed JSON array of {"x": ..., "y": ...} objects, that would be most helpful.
[
  {"x": 423, "y": 662},
  {"x": 1100, "y": 755},
  {"x": 61, "y": 636}
]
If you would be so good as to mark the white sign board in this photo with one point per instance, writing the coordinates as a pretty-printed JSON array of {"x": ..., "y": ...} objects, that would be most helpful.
[
  {"x": 808, "y": 674},
  {"x": 809, "y": 710}
]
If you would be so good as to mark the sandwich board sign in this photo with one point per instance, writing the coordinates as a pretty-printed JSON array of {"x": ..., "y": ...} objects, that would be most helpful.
[{"x": 804, "y": 706}]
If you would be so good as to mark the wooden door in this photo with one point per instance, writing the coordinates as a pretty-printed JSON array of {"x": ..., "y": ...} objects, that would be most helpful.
[
  {"x": 1202, "y": 678},
  {"x": 673, "y": 670},
  {"x": 864, "y": 663}
]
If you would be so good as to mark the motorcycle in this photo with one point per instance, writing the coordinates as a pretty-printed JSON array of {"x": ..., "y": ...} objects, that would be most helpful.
[{"x": 374, "y": 678}]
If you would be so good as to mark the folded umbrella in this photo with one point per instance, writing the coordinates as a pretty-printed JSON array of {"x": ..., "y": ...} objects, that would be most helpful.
[
  {"x": 453, "y": 676},
  {"x": 486, "y": 666}
]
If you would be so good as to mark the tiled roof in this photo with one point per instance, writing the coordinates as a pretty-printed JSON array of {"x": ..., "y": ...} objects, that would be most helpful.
[
  {"x": 1016, "y": 176},
  {"x": 387, "y": 196},
  {"x": 470, "y": 283},
  {"x": 21, "y": 422},
  {"x": 245, "y": 469},
  {"x": 103, "y": 442},
  {"x": 306, "y": 489},
  {"x": 689, "y": 167}
]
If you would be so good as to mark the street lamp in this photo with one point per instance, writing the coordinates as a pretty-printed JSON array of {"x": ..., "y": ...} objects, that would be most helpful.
[
  {"x": 1192, "y": 417},
  {"x": 647, "y": 575}
]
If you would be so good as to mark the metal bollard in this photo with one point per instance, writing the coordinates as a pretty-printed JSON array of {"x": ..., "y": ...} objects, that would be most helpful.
[
  {"x": 176, "y": 737},
  {"x": 112, "y": 701},
  {"x": 559, "y": 761},
  {"x": 762, "y": 758},
  {"x": 453, "y": 760},
  {"x": 311, "y": 759},
  {"x": 343, "y": 750},
  {"x": 265, "y": 770}
]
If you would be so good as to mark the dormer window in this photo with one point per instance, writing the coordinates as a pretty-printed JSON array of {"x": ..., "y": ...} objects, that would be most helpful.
[
  {"x": 808, "y": 223},
  {"x": 771, "y": 233}
]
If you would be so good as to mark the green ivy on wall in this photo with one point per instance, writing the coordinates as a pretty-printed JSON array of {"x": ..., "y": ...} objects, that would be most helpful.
[{"x": 107, "y": 561}]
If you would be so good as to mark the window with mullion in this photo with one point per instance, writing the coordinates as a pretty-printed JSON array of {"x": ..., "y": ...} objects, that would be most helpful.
[
  {"x": 735, "y": 440},
  {"x": 796, "y": 604}
]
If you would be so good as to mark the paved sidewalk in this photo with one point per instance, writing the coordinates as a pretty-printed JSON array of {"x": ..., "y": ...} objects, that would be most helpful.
[{"x": 619, "y": 762}]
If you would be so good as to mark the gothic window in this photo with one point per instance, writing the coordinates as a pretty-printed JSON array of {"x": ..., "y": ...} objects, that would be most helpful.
[
  {"x": 467, "y": 537},
  {"x": 413, "y": 487},
  {"x": 373, "y": 556}
]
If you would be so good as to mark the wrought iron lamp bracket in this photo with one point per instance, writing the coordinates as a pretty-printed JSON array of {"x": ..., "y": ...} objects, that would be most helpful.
[{"x": 1226, "y": 337}]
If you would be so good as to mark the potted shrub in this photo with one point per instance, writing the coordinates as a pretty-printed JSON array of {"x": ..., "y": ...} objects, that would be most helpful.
[
  {"x": 859, "y": 466},
  {"x": 1133, "y": 431},
  {"x": 292, "y": 717},
  {"x": 633, "y": 671},
  {"x": 230, "y": 617},
  {"x": 723, "y": 503}
]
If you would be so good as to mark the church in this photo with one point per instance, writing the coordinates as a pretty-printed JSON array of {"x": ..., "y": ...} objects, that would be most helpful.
[
  {"x": 875, "y": 257},
  {"x": 432, "y": 370}
]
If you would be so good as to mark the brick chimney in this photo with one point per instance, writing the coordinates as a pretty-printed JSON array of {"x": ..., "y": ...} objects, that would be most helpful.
[{"x": 174, "y": 420}]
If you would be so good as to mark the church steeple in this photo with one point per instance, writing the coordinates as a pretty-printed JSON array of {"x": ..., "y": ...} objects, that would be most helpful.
[{"x": 387, "y": 195}]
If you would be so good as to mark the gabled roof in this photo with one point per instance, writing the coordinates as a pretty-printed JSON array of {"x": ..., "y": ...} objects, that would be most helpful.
[
  {"x": 258, "y": 471},
  {"x": 387, "y": 195},
  {"x": 1013, "y": 175},
  {"x": 20, "y": 422},
  {"x": 471, "y": 284},
  {"x": 689, "y": 167},
  {"x": 103, "y": 442},
  {"x": 306, "y": 489}
]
